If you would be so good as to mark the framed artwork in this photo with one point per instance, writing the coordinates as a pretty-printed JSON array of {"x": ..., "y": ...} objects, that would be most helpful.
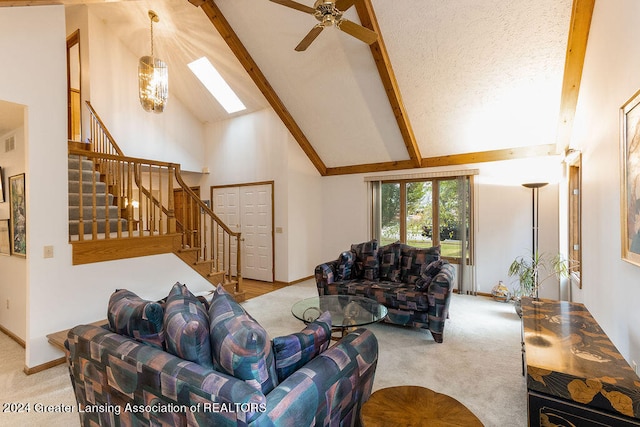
[
  {"x": 1, "y": 186},
  {"x": 18, "y": 210},
  {"x": 5, "y": 247},
  {"x": 630, "y": 179}
]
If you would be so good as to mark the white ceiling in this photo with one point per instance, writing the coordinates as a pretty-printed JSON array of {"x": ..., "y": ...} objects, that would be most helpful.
[{"x": 474, "y": 75}]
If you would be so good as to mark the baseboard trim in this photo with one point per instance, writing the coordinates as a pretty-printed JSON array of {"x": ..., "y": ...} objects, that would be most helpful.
[
  {"x": 27, "y": 370},
  {"x": 13, "y": 336},
  {"x": 277, "y": 282}
]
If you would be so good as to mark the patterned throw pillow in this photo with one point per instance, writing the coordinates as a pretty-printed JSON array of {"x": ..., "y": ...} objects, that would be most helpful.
[
  {"x": 345, "y": 265},
  {"x": 389, "y": 259},
  {"x": 294, "y": 351},
  {"x": 130, "y": 315},
  {"x": 412, "y": 260},
  {"x": 186, "y": 326},
  {"x": 427, "y": 273},
  {"x": 240, "y": 347},
  {"x": 366, "y": 264}
]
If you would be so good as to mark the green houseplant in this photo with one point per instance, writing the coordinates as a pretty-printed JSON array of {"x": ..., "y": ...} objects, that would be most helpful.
[{"x": 533, "y": 270}]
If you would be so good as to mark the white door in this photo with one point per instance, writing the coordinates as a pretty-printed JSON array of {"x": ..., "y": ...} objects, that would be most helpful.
[
  {"x": 255, "y": 222},
  {"x": 226, "y": 206},
  {"x": 249, "y": 209}
]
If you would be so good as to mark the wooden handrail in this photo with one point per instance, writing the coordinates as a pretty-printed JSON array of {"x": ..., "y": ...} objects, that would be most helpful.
[{"x": 103, "y": 128}]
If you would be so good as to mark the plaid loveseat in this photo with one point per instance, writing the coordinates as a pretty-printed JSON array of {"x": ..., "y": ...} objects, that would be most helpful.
[
  {"x": 121, "y": 381},
  {"x": 413, "y": 283}
]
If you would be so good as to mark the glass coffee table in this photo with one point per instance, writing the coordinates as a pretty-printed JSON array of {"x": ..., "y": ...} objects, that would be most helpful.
[{"x": 347, "y": 311}]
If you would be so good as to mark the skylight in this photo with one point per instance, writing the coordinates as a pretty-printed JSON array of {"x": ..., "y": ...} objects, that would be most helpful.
[{"x": 213, "y": 81}]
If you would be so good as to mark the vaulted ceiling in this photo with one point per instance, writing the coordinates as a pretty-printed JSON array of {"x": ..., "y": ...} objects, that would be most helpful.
[{"x": 447, "y": 82}]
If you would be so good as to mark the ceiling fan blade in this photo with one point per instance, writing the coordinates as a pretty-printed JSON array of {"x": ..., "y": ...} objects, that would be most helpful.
[
  {"x": 309, "y": 38},
  {"x": 358, "y": 31},
  {"x": 343, "y": 5},
  {"x": 296, "y": 6}
]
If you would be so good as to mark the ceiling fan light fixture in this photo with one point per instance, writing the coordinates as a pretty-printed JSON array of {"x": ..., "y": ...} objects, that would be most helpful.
[{"x": 153, "y": 78}]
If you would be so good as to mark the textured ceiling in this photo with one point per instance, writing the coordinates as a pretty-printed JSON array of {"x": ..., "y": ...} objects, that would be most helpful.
[
  {"x": 478, "y": 75},
  {"x": 474, "y": 75}
]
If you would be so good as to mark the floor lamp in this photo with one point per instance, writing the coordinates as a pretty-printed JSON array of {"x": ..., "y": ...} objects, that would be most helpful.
[{"x": 535, "y": 214}]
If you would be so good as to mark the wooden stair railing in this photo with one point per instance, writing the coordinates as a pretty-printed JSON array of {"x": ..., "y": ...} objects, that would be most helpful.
[{"x": 144, "y": 192}]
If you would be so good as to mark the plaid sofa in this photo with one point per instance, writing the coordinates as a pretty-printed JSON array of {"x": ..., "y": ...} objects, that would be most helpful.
[
  {"x": 122, "y": 381},
  {"x": 413, "y": 283}
]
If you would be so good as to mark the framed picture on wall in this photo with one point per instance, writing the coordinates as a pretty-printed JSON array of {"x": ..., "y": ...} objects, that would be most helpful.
[
  {"x": 1, "y": 186},
  {"x": 630, "y": 179},
  {"x": 18, "y": 211},
  {"x": 5, "y": 247}
]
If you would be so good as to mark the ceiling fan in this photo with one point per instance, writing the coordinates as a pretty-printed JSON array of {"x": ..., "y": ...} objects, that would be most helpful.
[{"x": 329, "y": 13}]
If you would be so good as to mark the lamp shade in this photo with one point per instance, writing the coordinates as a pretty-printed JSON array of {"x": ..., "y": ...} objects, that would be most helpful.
[{"x": 153, "y": 82}]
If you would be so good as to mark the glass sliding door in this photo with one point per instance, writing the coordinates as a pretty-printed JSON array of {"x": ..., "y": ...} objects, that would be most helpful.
[{"x": 425, "y": 213}]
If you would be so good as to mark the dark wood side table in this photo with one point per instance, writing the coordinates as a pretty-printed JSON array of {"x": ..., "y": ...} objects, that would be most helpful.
[
  {"x": 415, "y": 406},
  {"x": 575, "y": 375}
]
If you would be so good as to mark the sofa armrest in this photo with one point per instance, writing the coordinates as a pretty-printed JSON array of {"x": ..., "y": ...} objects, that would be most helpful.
[
  {"x": 325, "y": 275},
  {"x": 110, "y": 371},
  {"x": 330, "y": 389},
  {"x": 439, "y": 295}
]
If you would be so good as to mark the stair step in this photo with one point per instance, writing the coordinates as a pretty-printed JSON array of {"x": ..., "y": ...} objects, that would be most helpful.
[
  {"x": 87, "y": 199},
  {"x": 87, "y": 175},
  {"x": 87, "y": 212},
  {"x": 194, "y": 249},
  {"x": 74, "y": 226},
  {"x": 74, "y": 163},
  {"x": 87, "y": 187},
  {"x": 204, "y": 261}
]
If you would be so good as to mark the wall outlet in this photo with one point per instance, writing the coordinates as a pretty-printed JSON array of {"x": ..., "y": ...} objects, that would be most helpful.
[
  {"x": 634, "y": 365},
  {"x": 48, "y": 251}
]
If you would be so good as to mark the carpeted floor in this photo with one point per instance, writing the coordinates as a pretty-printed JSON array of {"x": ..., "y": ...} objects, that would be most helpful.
[{"x": 479, "y": 363}]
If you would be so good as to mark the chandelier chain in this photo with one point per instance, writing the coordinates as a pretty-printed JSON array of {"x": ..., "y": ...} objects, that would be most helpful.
[{"x": 151, "y": 20}]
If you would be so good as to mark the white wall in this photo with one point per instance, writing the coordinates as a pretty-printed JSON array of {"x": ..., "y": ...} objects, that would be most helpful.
[
  {"x": 258, "y": 147},
  {"x": 13, "y": 269},
  {"x": 610, "y": 286}
]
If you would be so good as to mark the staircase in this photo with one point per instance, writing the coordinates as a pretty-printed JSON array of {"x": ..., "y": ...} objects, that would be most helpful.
[
  {"x": 81, "y": 202},
  {"x": 123, "y": 207}
]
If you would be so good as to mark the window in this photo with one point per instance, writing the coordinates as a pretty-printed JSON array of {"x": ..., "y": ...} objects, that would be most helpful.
[
  {"x": 216, "y": 85},
  {"x": 425, "y": 212}
]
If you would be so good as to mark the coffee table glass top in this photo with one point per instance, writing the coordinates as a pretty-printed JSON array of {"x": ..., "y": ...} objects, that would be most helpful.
[{"x": 346, "y": 310}]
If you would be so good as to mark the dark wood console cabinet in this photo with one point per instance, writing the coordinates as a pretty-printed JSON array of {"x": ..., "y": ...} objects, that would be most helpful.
[{"x": 575, "y": 375}]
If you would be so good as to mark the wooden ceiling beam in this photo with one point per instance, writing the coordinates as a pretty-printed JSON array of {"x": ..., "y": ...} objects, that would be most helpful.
[
  {"x": 371, "y": 167},
  {"x": 491, "y": 156},
  {"x": 450, "y": 160},
  {"x": 224, "y": 28},
  {"x": 581, "y": 15},
  {"x": 383, "y": 63},
  {"x": 11, "y": 3}
]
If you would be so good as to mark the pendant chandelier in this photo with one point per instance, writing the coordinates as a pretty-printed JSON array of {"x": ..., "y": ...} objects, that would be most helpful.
[{"x": 153, "y": 78}]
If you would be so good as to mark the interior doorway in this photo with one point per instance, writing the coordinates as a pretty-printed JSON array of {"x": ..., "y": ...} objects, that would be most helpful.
[
  {"x": 74, "y": 117},
  {"x": 248, "y": 208}
]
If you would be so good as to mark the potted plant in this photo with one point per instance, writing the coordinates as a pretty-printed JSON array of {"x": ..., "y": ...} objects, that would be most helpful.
[{"x": 533, "y": 270}]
